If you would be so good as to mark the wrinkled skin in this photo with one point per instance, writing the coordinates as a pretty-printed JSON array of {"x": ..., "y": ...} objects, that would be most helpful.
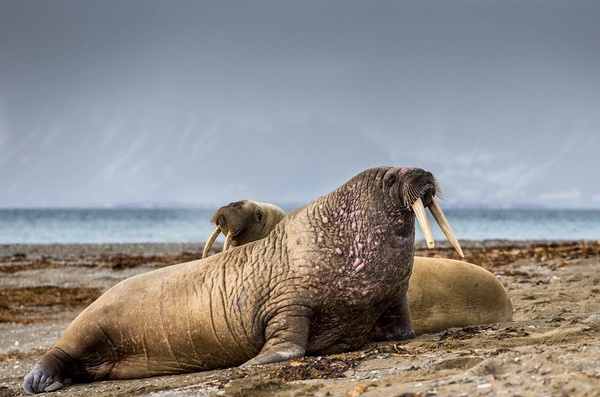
[
  {"x": 315, "y": 285},
  {"x": 442, "y": 293}
]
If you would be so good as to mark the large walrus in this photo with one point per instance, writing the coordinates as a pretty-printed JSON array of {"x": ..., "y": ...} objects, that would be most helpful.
[
  {"x": 442, "y": 293},
  {"x": 316, "y": 285}
]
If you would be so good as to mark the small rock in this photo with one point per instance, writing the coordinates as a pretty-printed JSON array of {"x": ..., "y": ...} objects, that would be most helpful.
[{"x": 594, "y": 318}]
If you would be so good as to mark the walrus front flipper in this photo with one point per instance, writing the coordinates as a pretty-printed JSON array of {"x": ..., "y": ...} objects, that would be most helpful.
[
  {"x": 394, "y": 323},
  {"x": 286, "y": 339},
  {"x": 47, "y": 375},
  {"x": 290, "y": 352}
]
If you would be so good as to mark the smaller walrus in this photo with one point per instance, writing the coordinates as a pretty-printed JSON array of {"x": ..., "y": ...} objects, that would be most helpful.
[
  {"x": 442, "y": 293},
  {"x": 242, "y": 222}
]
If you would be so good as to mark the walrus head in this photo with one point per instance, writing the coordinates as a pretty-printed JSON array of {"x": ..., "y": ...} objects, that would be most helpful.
[
  {"x": 242, "y": 222},
  {"x": 417, "y": 189}
]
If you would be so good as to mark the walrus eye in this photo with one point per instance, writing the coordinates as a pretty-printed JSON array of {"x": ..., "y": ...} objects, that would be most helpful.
[
  {"x": 390, "y": 180},
  {"x": 259, "y": 216}
]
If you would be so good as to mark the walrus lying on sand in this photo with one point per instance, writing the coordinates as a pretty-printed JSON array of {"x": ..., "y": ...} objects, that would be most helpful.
[
  {"x": 442, "y": 293},
  {"x": 316, "y": 285}
]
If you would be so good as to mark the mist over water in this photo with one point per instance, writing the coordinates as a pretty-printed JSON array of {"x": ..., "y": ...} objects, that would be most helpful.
[{"x": 193, "y": 225}]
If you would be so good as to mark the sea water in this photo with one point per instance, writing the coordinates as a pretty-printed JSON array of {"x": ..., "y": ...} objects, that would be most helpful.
[{"x": 193, "y": 225}]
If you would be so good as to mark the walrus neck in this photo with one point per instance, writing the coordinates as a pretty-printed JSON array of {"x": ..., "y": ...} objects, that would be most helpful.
[
  {"x": 367, "y": 222},
  {"x": 366, "y": 215},
  {"x": 350, "y": 242}
]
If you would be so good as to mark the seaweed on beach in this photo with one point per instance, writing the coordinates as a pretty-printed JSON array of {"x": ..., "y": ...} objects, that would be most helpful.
[
  {"x": 117, "y": 261},
  {"x": 122, "y": 261},
  {"x": 556, "y": 252},
  {"x": 314, "y": 368},
  {"x": 36, "y": 304},
  {"x": 20, "y": 262}
]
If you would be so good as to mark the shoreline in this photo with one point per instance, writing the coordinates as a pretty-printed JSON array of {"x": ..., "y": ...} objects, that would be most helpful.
[
  {"x": 77, "y": 249},
  {"x": 173, "y": 248}
]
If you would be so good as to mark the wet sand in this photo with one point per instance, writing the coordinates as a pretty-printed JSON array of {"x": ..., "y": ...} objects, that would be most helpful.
[{"x": 550, "y": 348}]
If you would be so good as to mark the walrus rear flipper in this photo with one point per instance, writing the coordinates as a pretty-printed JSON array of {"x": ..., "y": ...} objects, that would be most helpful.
[{"x": 48, "y": 373}]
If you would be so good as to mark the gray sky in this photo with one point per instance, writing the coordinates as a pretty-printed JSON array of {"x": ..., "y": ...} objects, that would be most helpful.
[{"x": 106, "y": 103}]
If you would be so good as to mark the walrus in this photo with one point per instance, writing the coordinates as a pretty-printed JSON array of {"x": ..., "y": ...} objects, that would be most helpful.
[
  {"x": 242, "y": 222},
  {"x": 315, "y": 285},
  {"x": 442, "y": 293}
]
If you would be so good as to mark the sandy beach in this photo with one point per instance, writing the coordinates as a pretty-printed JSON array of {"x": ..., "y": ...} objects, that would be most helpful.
[{"x": 551, "y": 347}]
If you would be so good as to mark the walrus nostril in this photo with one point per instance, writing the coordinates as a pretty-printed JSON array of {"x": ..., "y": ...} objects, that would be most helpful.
[{"x": 428, "y": 194}]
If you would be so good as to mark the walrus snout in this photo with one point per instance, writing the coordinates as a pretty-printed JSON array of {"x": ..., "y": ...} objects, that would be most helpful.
[
  {"x": 428, "y": 194},
  {"x": 229, "y": 225},
  {"x": 414, "y": 183},
  {"x": 221, "y": 221},
  {"x": 232, "y": 218},
  {"x": 419, "y": 193},
  {"x": 222, "y": 225}
]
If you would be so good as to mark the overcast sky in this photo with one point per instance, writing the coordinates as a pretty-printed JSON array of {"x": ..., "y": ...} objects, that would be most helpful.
[{"x": 199, "y": 103}]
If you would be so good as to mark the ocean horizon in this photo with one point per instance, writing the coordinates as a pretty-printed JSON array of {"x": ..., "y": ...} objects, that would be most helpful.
[{"x": 184, "y": 225}]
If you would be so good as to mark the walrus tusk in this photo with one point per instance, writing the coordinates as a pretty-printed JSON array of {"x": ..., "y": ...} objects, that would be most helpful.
[
  {"x": 441, "y": 220},
  {"x": 210, "y": 242},
  {"x": 419, "y": 210},
  {"x": 227, "y": 241}
]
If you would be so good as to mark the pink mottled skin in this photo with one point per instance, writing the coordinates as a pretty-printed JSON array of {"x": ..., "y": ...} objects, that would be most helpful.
[{"x": 317, "y": 284}]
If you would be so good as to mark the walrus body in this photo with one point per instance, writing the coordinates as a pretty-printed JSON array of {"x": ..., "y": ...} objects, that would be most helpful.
[
  {"x": 446, "y": 293},
  {"x": 442, "y": 293},
  {"x": 317, "y": 284}
]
